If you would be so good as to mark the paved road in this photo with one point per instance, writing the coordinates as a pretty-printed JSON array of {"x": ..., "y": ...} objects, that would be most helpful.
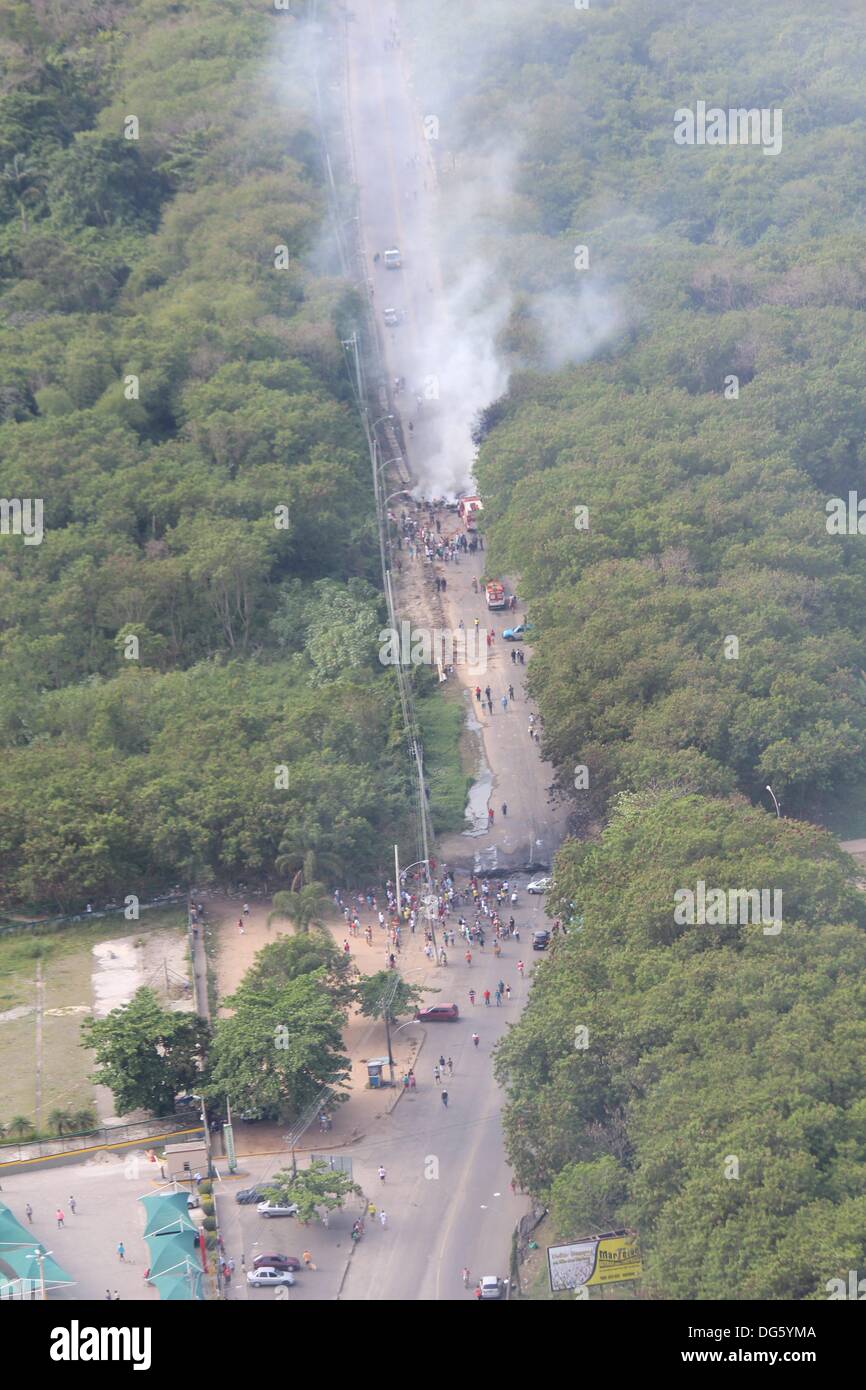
[
  {"x": 448, "y": 1187},
  {"x": 448, "y": 1192}
]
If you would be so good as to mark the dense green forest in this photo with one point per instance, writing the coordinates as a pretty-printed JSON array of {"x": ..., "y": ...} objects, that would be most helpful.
[
  {"x": 704, "y": 1045},
  {"x": 706, "y": 513},
  {"x": 181, "y": 404},
  {"x": 706, "y": 521}
]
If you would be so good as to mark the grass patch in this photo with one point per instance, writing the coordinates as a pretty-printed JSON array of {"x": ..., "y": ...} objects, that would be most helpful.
[
  {"x": 65, "y": 954},
  {"x": 441, "y": 717}
]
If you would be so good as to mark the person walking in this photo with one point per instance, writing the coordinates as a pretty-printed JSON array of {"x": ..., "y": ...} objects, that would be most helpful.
[
  {"x": 475, "y": 1039},
  {"x": 121, "y": 1250},
  {"x": 504, "y": 809},
  {"x": 511, "y": 692},
  {"x": 520, "y": 967},
  {"x": 450, "y": 1067},
  {"x": 59, "y": 1215},
  {"x": 498, "y": 997},
  {"x": 490, "y": 815},
  {"x": 442, "y": 1062},
  {"x": 487, "y": 998},
  {"x": 468, "y": 957},
  {"x": 308, "y": 1260},
  {"x": 383, "y": 1219},
  {"x": 472, "y": 996},
  {"x": 381, "y": 1173},
  {"x": 437, "y": 1076},
  {"x": 28, "y": 1212},
  {"x": 72, "y": 1205},
  {"x": 445, "y": 1099},
  {"x": 508, "y": 992},
  {"x": 504, "y": 703},
  {"x": 241, "y": 925}
]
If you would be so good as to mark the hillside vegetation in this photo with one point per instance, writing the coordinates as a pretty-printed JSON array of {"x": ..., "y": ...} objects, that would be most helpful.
[
  {"x": 165, "y": 389},
  {"x": 703, "y": 398}
]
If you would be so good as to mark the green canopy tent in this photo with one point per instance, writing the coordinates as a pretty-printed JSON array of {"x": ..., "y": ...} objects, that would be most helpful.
[
  {"x": 167, "y": 1213},
  {"x": 26, "y": 1266},
  {"x": 173, "y": 1254},
  {"x": 18, "y": 1248},
  {"x": 175, "y": 1288}
]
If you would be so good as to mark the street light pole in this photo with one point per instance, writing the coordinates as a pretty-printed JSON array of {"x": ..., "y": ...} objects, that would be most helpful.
[{"x": 775, "y": 802}]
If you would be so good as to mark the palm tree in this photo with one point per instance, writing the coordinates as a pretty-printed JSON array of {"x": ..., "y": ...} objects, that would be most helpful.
[
  {"x": 304, "y": 851},
  {"x": 82, "y": 1120},
  {"x": 304, "y": 908},
  {"x": 24, "y": 179},
  {"x": 60, "y": 1121},
  {"x": 20, "y": 1127}
]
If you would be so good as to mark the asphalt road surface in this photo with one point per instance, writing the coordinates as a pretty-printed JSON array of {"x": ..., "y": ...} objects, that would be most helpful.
[
  {"x": 448, "y": 1192},
  {"x": 448, "y": 1188}
]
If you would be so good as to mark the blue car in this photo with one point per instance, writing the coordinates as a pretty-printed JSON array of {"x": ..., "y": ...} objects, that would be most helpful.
[{"x": 517, "y": 634}]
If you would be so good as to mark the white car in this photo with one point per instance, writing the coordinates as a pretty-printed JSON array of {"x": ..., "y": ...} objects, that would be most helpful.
[
  {"x": 392, "y": 258},
  {"x": 276, "y": 1209},
  {"x": 539, "y": 885},
  {"x": 262, "y": 1278},
  {"x": 492, "y": 1286}
]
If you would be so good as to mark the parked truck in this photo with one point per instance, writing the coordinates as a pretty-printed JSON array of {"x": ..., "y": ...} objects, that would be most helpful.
[
  {"x": 469, "y": 509},
  {"x": 495, "y": 594}
]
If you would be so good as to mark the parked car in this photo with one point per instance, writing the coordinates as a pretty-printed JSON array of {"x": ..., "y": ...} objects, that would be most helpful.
[
  {"x": 391, "y": 317},
  {"x": 437, "y": 1013},
  {"x": 290, "y": 1262},
  {"x": 262, "y": 1278},
  {"x": 517, "y": 634},
  {"x": 492, "y": 1286},
  {"x": 539, "y": 885},
  {"x": 392, "y": 258},
  {"x": 540, "y": 939},
  {"x": 247, "y": 1195},
  {"x": 276, "y": 1209}
]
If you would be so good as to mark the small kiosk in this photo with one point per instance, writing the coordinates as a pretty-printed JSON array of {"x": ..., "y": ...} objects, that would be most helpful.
[{"x": 376, "y": 1068}]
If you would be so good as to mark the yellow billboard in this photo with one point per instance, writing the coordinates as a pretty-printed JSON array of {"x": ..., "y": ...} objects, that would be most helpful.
[{"x": 609, "y": 1259}]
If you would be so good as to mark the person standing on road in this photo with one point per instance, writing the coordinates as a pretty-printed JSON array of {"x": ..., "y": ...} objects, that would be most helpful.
[
  {"x": 511, "y": 689},
  {"x": 508, "y": 991},
  {"x": 308, "y": 1260},
  {"x": 445, "y": 1099},
  {"x": 436, "y": 1076},
  {"x": 504, "y": 703},
  {"x": 383, "y": 1219},
  {"x": 72, "y": 1205},
  {"x": 472, "y": 996},
  {"x": 121, "y": 1250},
  {"x": 475, "y": 1039},
  {"x": 504, "y": 809},
  {"x": 487, "y": 998},
  {"x": 59, "y": 1215},
  {"x": 498, "y": 997},
  {"x": 450, "y": 1067},
  {"x": 28, "y": 1212},
  {"x": 381, "y": 1173},
  {"x": 520, "y": 968}
]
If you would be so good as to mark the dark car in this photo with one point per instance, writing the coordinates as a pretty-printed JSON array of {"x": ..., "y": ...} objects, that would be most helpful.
[
  {"x": 247, "y": 1195},
  {"x": 290, "y": 1262},
  {"x": 540, "y": 940},
  {"x": 438, "y": 1013}
]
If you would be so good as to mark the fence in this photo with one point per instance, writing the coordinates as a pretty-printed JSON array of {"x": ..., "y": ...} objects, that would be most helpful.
[
  {"x": 106, "y": 1137},
  {"x": 47, "y": 924}
]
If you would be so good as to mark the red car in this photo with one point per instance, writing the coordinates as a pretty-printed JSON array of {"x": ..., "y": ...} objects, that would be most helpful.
[
  {"x": 289, "y": 1262},
  {"x": 438, "y": 1013}
]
